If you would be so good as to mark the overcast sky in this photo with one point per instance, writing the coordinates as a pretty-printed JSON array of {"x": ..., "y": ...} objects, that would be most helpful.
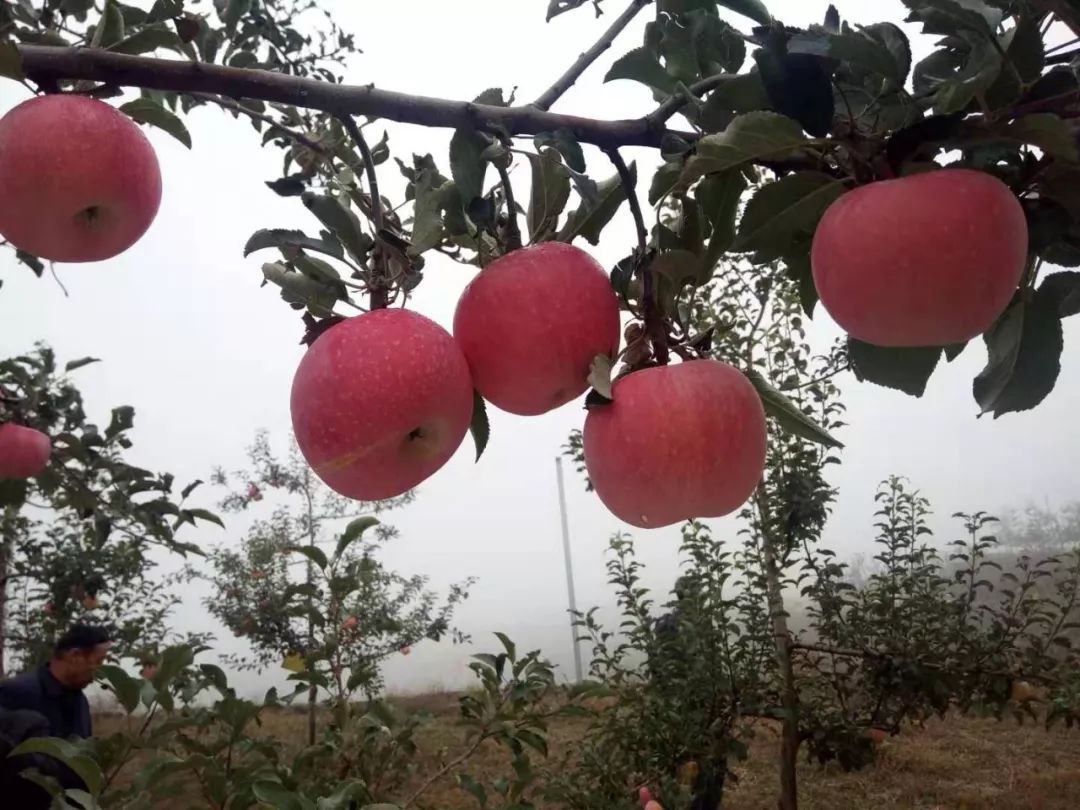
[{"x": 207, "y": 357}]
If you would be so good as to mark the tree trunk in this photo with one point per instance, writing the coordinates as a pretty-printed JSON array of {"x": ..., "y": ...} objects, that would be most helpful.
[{"x": 789, "y": 745}]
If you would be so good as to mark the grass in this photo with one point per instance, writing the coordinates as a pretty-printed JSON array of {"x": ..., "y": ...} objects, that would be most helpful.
[{"x": 956, "y": 764}]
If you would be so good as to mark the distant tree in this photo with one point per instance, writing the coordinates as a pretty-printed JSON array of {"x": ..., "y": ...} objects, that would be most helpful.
[
  {"x": 305, "y": 588},
  {"x": 77, "y": 541}
]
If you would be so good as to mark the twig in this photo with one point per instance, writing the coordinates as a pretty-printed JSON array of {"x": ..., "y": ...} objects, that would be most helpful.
[
  {"x": 444, "y": 770},
  {"x": 229, "y": 104},
  {"x": 513, "y": 231},
  {"x": 566, "y": 81},
  {"x": 48, "y": 63},
  {"x": 676, "y": 102},
  {"x": 377, "y": 286},
  {"x": 654, "y": 324}
]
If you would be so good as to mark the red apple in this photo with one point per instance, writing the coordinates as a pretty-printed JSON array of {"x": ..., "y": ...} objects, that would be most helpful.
[
  {"x": 79, "y": 180},
  {"x": 925, "y": 260},
  {"x": 532, "y": 321},
  {"x": 653, "y": 805},
  {"x": 24, "y": 452},
  {"x": 644, "y": 795},
  {"x": 380, "y": 402},
  {"x": 679, "y": 442}
]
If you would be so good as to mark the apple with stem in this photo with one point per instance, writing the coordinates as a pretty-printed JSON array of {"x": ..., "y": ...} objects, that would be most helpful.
[
  {"x": 532, "y": 321},
  {"x": 380, "y": 402},
  {"x": 678, "y": 442},
  {"x": 80, "y": 181},
  {"x": 24, "y": 452},
  {"x": 930, "y": 259}
]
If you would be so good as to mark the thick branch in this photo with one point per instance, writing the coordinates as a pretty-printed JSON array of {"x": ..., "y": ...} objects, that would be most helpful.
[
  {"x": 45, "y": 64},
  {"x": 566, "y": 81}
]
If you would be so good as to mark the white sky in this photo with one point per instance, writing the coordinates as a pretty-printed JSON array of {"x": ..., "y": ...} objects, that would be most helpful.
[{"x": 207, "y": 357}]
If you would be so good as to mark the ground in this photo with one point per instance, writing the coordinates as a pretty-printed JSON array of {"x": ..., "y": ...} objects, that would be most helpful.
[{"x": 956, "y": 764}]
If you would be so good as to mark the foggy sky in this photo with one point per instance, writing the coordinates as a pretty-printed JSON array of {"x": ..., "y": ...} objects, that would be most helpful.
[{"x": 207, "y": 358}]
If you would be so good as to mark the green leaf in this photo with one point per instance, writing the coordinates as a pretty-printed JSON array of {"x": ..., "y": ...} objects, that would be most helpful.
[
  {"x": 799, "y": 87},
  {"x": 588, "y": 220},
  {"x": 566, "y": 144},
  {"x": 948, "y": 17},
  {"x": 126, "y": 688},
  {"x": 896, "y": 42},
  {"x": 147, "y": 111},
  {"x": 13, "y": 491},
  {"x": 667, "y": 178},
  {"x": 428, "y": 228},
  {"x": 286, "y": 238},
  {"x": 1025, "y": 49},
  {"x": 234, "y": 11},
  {"x": 11, "y": 62},
  {"x": 467, "y": 165},
  {"x": 207, "y": 515},
  {"x": 77, "y": 364},
  {"x": 641, "y": 65},
  {"x": 1024, "y": 349},
  {"x": 750, "y": 137},
  {"x": 980, "y": 70},
  {"x": 174, "y": 660},
  {"x": 479, "y": 427},
  {"x": 1046, "y": 131},
  {"x": 549, "y": 195},
  {"x": 1062, "y": 291},
  {"x": 123, "y": 419},
  {"x": 719, "y": 196},
  {"x": 341, "y": 221},
  {"x": 67, "y": 753},
  {"x": 798, "y": 267},
  {"x": 353, "y": 532},
  {"x": 473, "y": 788},
  {"x": 906, "y": 370},
  {"x": 297, "y": 288},
  {"x": 784, "y": 209},
  {"x": 856, "y": 49},
  {"x": 787, "y": 414},
  {"x": 313, "y": 553},
  {"x": 110, "y": 28},
  {"x": 754, "y": 9},
  {"x": 147, "y": 40}
]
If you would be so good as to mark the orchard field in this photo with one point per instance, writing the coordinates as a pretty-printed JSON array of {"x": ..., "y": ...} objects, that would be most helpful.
[{"x": 780, "y": 285}]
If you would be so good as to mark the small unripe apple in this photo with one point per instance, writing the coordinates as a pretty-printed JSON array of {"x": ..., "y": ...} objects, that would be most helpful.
[
  {"x": 90, "y": 603},
  {"x": 149, "y": 671},
  {"x": 79, "y": 180},
  {"x": 380, "y": 402},
  {"x": 254, "y": 493},
  {"x": 678, "y": 442},
  {"x": 350, "y": 623},
  {"x": 532, "y": 321},
  {"x": 406, "y": 650},
  {"x": 931, "y": 259},
  {"x": 24, "y": 452},
  {"x": 644, "y": 795}
]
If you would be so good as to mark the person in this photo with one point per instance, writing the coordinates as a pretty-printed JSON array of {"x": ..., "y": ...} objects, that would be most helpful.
[{"x": 49, "y": 702}]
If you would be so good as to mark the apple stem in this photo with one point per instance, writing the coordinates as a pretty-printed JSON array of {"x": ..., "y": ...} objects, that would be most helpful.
[
  {"x": 379, "y": 278},
  {"x": 654, "y": 322}
]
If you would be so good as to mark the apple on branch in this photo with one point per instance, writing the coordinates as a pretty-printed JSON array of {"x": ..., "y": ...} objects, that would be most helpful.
[
  {"x": 380, "y": 402},
  {"x": 931, "y": 259},
  {"x": 85, "y": 177},
  {"x": 530, "y": 324},
  {"x": 24, "y": 452},
  {"x": 678, "y": 442}
]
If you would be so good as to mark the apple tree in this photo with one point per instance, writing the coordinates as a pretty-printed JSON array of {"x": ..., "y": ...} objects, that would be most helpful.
[
  {"x": 305, "y": 586},
  {"x": 79, "y": 537}
]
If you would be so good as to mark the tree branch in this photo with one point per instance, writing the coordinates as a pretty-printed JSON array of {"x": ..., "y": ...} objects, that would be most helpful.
[
  {"x": 566, "y": 81},
  {"x": 377, "y": 287},
  {"x": 679, "y": 100},
  {"x": 45, "y": 64},
  {"x": 1064, "y": 11}
]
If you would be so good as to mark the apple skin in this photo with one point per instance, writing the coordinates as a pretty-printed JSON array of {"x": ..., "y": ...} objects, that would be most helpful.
[
  {"x": 931, "y": 259},
  {"x": 679, "y": 442},
  {"x": 532, "y": 321},
  {"x": 380, "y": 402},
  {"x": 80, "y": 181},
  {"x": 24, "y": 452}
]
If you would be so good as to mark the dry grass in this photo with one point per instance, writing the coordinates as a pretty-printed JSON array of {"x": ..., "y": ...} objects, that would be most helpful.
[{"x": 959, "y": 764}]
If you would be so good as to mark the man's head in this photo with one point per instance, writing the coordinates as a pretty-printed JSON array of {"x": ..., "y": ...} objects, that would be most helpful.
[{"x": 78, "y": 654}]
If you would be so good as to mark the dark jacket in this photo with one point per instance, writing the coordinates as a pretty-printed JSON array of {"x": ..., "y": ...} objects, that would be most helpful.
[
  {"x": 35, "y": 704},
  {"x": 67, "y": 710}
]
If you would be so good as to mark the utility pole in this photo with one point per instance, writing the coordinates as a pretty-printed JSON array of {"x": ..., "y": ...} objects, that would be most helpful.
[{"x": 569, "y": 569}]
